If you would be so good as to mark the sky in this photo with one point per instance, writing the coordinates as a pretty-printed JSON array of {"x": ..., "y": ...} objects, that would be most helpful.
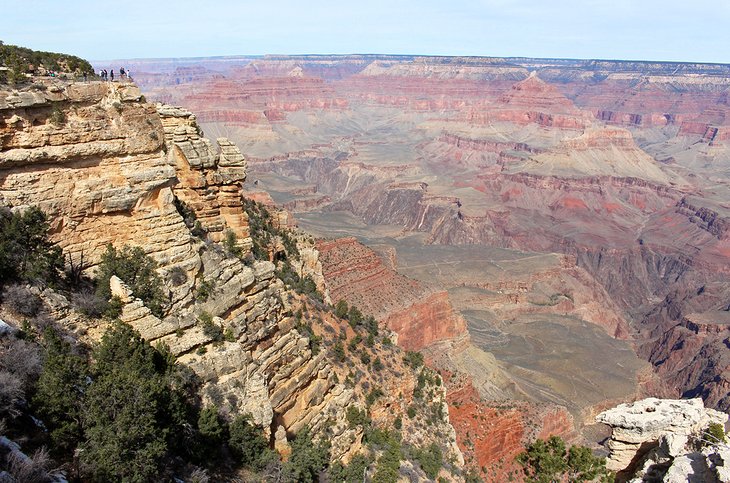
[{"x": 670, "y": 30}]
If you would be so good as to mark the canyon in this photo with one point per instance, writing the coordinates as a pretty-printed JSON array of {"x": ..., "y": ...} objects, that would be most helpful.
[
  {"x": 116, "y": 170},
  {"x": 552, "y": 232}
]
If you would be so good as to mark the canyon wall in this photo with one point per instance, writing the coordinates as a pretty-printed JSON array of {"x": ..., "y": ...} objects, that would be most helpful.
[{"x": 108, "y": 168}]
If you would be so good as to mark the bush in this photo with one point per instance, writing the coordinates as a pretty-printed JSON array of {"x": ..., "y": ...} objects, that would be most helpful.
[
  {"x": 352, "y": 473},
  {"x": 57, "y": 117},
  {"x": 341, "y": 309},
  {"x": 36, "y": 469},
  {"x": 246, "y": 441},
  {"x": 230, "y": 242},
  {"x": 137, "y": 270},
  {"x": 413, "y": 359},
  {"x": 212, "y": 430},
  {"x": 373, "y": 395},
  {"x": 26, "y": 253},
  {"x": 21, "y": 300},
  {"x": 339, "y": 351},
  {"x": 90, "y": 304},
  {"x": 210, "y": 328},
  {"x": 205, "y": 289},
  {"x": 307, "y": 460},
  {"x": 177, "y": 276},
  {"x": 19, "y": 59},
  {"x": 713, "y": 435},
  {"x": 549, "y": 461},
  {"x": 354, "y": 316},
  {"x": 389, "y": 463},
  {"x": 357, "y": 417},
  {"x": 430, "y": 459},
  {"x": 136, "y": 410},
  {"x": 60, "y": 390}
]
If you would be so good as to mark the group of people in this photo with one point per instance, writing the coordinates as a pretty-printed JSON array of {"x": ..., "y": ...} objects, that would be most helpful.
[{"x": 110, "y": 75}]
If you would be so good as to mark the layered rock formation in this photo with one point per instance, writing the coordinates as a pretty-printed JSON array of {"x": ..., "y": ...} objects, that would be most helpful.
[
  {"x": 210, "y": 182},
  {"x": 653, "y": 434},
  {"x": 419, "y": 315},
  {"x": 109, "y": 168}
]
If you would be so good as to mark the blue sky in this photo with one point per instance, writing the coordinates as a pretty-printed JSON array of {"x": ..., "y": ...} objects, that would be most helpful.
[{"x": 697, "y": 30}]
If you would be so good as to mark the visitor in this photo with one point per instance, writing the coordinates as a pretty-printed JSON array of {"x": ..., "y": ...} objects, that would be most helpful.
[
  {"x": 121, "y": 72},
  {"x": 111, "y": 75}
]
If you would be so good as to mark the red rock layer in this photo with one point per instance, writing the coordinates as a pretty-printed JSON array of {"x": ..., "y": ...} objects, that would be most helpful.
[
  {"x": 492, "y": 434},
  {"x": 428, "y": 320},
  {"x": 356, "y": 274}
]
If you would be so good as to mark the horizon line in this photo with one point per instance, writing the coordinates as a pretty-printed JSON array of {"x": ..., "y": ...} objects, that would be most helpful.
[{"x": 411, "y": 57}]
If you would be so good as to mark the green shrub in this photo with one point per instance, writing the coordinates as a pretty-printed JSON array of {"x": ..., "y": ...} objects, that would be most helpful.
[
  {"x": 57, "y": 117},
  {"x": 354, "y": 316},
  {"x": 136, "y": 409},
  {"x": 352, "y": 473},
  {"x": 60, "y": 390},
  {"x": 714, "y": 434},
  {"x": 430, "y": 459},
  {"x": 26, "y": 253},
  {"x": 341, "y": 309},
  {"x": 230, "y": 242},
  {"x": 212, "y": 429},
  {"x": 307, "y": 459},
  {"x": 19, "y": 60},
  {"x": 357, "y": 417},
  {"x": 210, "y": 328},
  {"x": 246, "y": 441},
  {"x": 354, "y": 342},
  {"x": 545, "y": 461},
  {"x": 339, "y": 351},
  {"x": 413, "y": 359},
  {"x": 205, "y": 290},
  {"x": 388, "y": 466},
  {"x": 373, "y": 395},
  {"x": 137, "y": 270}
]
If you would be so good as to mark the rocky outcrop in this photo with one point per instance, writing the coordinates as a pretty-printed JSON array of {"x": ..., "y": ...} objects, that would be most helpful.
[
  {"x": 693, "y": 357},
  {"x": 643, "y": 425},
  {"x": 91, "y": 156},
  {"x": 210, "y": 181}
]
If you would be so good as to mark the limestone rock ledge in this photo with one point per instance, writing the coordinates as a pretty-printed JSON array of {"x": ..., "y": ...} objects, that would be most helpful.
[
  {"x": 210, "y": 180},
  {"x": 655, "y": 431}
]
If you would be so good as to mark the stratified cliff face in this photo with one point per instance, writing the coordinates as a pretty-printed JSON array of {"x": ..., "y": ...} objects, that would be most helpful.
[
  {"x": 109, "y": 168},
  {"x": 419, "y": 315}
]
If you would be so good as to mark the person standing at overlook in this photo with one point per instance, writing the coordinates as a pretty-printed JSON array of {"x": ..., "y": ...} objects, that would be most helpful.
[{"x": 111, "y": 75}]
